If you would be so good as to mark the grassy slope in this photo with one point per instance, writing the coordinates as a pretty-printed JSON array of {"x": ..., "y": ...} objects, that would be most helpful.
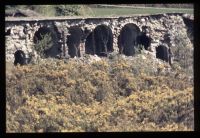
[
  {"x": 85, "y": 10},
  {"x": 129, "y": 11},
  {"x": 106, "y": 95}
]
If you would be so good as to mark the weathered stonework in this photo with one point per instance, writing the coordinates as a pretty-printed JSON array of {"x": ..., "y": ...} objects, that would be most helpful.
[{"x": 21, "y": 33}]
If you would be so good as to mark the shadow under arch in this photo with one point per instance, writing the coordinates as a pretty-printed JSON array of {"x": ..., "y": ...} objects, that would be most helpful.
[
  {"x": 128, "y": 39},
  {"x": 99, "y": 41},
  {"x": 162, "y": 52},
  {"x": 50, "y": 45}
]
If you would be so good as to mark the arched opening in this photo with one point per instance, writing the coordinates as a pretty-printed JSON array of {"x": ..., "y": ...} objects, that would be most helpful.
[
  {"x": 89, "y": 44},
  {"x": 41, "y": 33},
  {"x": 189, "y": 25},
  {"x": 20, "y": 57},
  {"x": 102, "y": 41},
  {"x": 46, "y": 42},
  {"x": 144, "y": 38},
  {"x": 74, "y": 39},
  {"x": 162, "y": 53},
  {"x": 8, "y": 32},
  {"x": 128, "y": 39}
]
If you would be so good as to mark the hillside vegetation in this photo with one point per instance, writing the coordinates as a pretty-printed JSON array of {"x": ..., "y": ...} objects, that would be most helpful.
[
  {"x": 117, "y": 93},
  {"x": 52, "y": 10}
]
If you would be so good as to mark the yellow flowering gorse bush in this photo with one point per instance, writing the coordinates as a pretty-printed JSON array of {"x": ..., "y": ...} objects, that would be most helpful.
[{"x": 106, "y": 95}]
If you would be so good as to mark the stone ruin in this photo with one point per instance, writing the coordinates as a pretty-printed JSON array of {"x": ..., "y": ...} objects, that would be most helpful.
[{"x": 163, "y": 29}]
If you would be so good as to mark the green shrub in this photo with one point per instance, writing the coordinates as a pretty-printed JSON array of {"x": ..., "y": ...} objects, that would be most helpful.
[
  {"x": 45, "y": 10},
  {"x": 43, "y": 45},
  {"x": 72, "y": 10},
  {"x": 55, "y": 10}
]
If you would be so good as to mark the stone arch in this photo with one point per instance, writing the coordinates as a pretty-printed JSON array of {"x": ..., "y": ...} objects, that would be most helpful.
[
  {"x": 128, "y": 39},
  {"x": 41, "y": 32},
  {"x": 89, "y": 44},
  {"x": 103, "y": 40},
  {"x": 144, "y": 38},
  {"x": 162, "y": 53},
  {"x": 19, "y": 57},
  {"x": 53, "y": 48},
  {"x": 8, "y": 32},
  {"x": 189, "y": 25},
  {"x": 74, "y": 40}
]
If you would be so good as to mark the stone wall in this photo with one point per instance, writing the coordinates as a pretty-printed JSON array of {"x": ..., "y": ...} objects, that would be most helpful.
[{"x": 161, "y": 27}]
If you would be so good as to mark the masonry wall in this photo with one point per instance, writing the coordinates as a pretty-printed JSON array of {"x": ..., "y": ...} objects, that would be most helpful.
[{"x": 20, "y": 32}]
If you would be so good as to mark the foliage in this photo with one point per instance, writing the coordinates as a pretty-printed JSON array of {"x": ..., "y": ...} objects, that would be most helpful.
[
  {"x": 55, "y": 10},
  {"x": 67, "y": 10},
  {"x": 122, "y": 94},
  {"x": 139, "y": 49},
  {"x": 45, "y": 10},
  {"x": 43, "y": 45},
  {"x": 183, "y": 52},
  {"x": 72, "y": 10}
]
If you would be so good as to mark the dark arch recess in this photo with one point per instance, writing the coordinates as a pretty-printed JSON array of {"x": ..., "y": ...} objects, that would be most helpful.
[
  {"x": 54, "y": 50},
  {"x": 41, "y": 32},
  {"x": 128, "y": 39}
]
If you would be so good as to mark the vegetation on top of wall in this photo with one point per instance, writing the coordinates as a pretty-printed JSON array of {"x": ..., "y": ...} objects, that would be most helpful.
[
  {"x": 72, "y": 10},
  {"x": 53, "y": 10}
]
